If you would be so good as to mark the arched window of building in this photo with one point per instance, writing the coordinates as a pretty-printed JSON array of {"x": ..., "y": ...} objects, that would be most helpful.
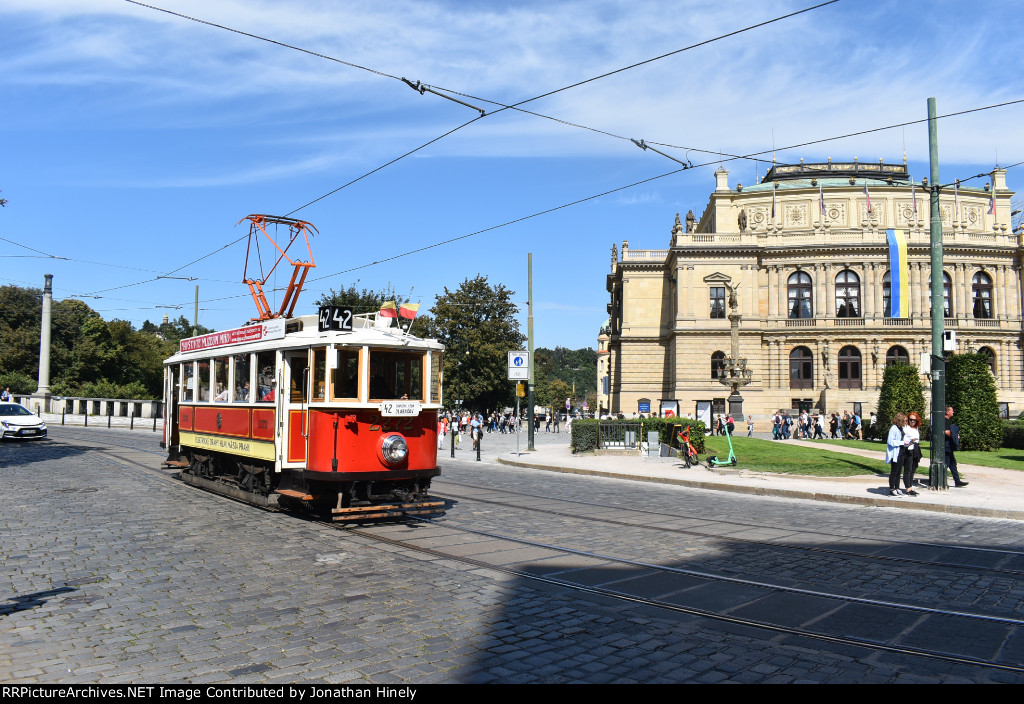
[
  {"x": 887, "y": 295},
  {"x": 849, "y": 368},
  {"x": 848, "y": 295},
  {"x": 718, "y": 365},
  {"x": 801, "y": 369},
  {"x": 981, "y": 288},
  {"x": 987, "y": 351},
  {"x": 947, "y": 296},
  {"x": 801, "y": 299},
  {"x": 897, "y": 354}
]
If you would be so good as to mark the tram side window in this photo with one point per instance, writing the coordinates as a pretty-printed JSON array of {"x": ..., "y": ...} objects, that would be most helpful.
[
  {"x": 175, "y": 373},
  {"x": 346, "y": 374},
  {"x": 221, "y": 391},
  {"x": 298, "y": 367},
  {"x": 396, "y": 375},
  {"x": 435, "y": 376},
  {"x": 204, "y": 380},
  {"x": 188, "y": 391},
  {"x": 242, "y": 378},
  {"x": 319, "y": 373},
  {"x": 266, "y": 381}
]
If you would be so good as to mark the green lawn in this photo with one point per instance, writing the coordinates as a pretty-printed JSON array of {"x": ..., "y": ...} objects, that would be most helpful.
[
  {"x": 779, "y": 457},
  {"x": 1004, "y": 458}
]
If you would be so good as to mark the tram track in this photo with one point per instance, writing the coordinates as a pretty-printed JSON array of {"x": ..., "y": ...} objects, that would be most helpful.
[
  {"x": 1012, "y": 626},
  {"x": 739, "y": 525},
  {"x": 748, "y": 611}
]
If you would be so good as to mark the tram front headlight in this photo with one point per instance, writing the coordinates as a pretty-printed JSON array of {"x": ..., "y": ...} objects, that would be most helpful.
[{"x": 394, "y": 449}]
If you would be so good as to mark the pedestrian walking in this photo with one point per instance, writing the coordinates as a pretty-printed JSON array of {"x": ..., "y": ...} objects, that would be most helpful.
[{"x": 952, "y": 445}]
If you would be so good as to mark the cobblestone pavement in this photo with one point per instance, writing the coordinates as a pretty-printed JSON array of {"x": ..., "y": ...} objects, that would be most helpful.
[{"x": 117, "y": 573}]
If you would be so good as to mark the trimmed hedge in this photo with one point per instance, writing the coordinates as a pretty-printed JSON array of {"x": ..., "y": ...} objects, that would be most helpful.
[
  {"x": 1013, "y": 434},
  {"x": 971, "y": 391},
  {"x": 585, "y": 432}
]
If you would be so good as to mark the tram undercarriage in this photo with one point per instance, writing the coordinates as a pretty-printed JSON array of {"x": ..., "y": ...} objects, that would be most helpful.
[{"x": 340, "y": 501}]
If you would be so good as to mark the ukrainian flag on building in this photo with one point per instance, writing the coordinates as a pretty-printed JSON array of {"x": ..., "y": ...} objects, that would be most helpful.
[{"x": 899, "y": 274}]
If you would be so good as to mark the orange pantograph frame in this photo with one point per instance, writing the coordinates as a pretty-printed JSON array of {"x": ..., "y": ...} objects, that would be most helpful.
[{"x": 257, "y": 224}]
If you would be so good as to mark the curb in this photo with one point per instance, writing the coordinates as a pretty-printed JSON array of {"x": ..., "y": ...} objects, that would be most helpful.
[{"x": 882, "y": 502}]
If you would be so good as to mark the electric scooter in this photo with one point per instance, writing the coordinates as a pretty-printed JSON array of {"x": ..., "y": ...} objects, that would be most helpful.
[{"x": 714, "y": 461}]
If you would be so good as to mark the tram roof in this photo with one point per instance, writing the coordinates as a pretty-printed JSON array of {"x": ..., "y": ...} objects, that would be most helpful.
[{"x": 302, "y": 331}]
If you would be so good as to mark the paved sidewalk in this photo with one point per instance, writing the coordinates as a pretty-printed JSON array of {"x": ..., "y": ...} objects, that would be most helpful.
[{"x": 995, "y": 493}]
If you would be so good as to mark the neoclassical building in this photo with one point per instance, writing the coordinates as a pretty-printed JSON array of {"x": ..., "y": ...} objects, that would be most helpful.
[{"x": 800, "y": 262}]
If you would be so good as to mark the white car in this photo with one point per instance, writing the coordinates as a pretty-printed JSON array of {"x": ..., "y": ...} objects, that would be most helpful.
[{"x": 16, "y": 421}]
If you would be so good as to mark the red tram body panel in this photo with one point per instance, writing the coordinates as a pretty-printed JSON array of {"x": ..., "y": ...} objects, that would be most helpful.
[{"x": 342, "y": 422}]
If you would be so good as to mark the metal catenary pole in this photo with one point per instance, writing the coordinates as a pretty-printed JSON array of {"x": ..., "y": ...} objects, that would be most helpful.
[
  {"x": 529, "y": 337},
  {"x": 937, "y": 464}
]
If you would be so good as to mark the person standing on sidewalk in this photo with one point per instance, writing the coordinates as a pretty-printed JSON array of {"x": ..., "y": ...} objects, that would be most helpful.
[
  {"x": 912, "y": 455},
  {"x": 952, "y": 445},
  {"x": 895, "y": 451}
]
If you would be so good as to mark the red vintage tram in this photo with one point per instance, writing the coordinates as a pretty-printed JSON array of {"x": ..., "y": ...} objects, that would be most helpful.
[
  {"x": 335, "y": 413},
  {"x": 341, "y": 421}
]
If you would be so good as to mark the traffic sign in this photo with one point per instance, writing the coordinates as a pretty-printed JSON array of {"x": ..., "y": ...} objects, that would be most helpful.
[{"x": 518, "y": 365}]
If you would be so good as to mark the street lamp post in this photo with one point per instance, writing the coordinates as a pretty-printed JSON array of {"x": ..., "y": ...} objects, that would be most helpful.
[{"x": 734, "y": 371}]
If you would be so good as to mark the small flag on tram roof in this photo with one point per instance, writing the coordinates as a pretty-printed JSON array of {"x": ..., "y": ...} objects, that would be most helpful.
[
  {"x": 408, "y": 310},
  {"x": 388, "y": 310},
  {"x": 899, "y": 274}
]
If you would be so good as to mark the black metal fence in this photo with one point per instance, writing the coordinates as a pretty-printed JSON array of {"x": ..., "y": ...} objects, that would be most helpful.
[{"x": 618, "y": 434}]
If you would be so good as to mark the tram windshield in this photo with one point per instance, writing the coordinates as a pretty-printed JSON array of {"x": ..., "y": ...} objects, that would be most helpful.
[{"x": 396, "y": 375}]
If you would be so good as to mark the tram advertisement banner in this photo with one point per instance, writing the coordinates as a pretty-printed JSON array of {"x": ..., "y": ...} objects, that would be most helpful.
[{"x": 266, "y": 330}]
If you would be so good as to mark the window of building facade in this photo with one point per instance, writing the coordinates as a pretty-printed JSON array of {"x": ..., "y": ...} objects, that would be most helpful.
[
  {"x": 897, "y": 354},
  {"x": 718, "y": 365},
  {"x": 849, "y": 368},
  {"x": 801, "y": 369},
  {"x": 801, "y": 299},
  {"x": 981, "y": 289},
  {"x": 848, "y": 295},
  {"x": 887, "y": 295},
  {"x": 718, "y": 301},
  {"x": 987, "y": 351},
  {"x": 947, "y": 296}
]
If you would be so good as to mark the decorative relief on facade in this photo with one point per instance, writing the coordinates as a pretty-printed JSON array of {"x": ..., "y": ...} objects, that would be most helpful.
[
  {"x": 835, "y": 213},
  {"x": 758, "y": 216},
  {"x": 972, "y": 216},
  {"x": 946, "y": 214},
  {"x": 905, "y": 214},
  {"x": 796, "y": 215},
  {"x": 877, "y": 211}
]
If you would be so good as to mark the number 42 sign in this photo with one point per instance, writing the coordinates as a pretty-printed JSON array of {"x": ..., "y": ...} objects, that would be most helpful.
[{"x": 518, "y": 365}]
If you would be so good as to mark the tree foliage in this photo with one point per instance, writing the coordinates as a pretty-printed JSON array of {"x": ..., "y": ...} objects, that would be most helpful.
[
  {"x": 477, "y": 324},
  {"x": 88, "y": 355},
  {"x": 571, "y": 368},
  {"x": 971, "y": 391},
  {"x": 901, "y": 392}
]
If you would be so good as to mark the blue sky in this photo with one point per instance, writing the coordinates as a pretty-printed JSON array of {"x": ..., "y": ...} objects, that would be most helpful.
[{"x": 133, "y": 140}]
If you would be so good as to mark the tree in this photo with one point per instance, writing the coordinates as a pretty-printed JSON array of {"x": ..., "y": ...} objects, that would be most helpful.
[
  {"x": 971, "y": 391},
  {"x": 901, "y": 393},
  {"x": 477, "y": 324}
]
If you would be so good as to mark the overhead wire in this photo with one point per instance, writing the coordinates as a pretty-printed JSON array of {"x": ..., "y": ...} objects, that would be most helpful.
[{"x": 516, "y": 106}]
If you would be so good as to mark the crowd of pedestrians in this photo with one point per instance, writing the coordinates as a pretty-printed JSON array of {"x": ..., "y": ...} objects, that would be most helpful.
[{"x": 807, "y": 426}]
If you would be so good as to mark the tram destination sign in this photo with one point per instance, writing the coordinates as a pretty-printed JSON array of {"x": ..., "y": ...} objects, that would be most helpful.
[
  {"x": 334, "y": 318},
  {"x": 266, "y": 330},
  {"x": 390, "y": 409}
]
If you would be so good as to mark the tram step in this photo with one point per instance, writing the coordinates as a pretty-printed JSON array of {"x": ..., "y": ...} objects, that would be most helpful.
[
  {"x": 389, "y": 507},
  {"x": 301, "y": 495},
  {"x": 175, "y": 463}
]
